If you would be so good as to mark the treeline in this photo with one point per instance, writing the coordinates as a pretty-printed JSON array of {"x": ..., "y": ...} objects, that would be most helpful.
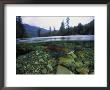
[{"x": 65, "y": 29}]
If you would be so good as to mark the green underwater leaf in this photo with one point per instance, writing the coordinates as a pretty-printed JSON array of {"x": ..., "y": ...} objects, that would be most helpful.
[
  {"x": 72, "y": 54},
  {"x": 79, "y": 64},
  {"x": 67, "y": 59},
  {"x": 44, "y": 71},
  {"x": 63, "y": 70},
  {"x": 83, "y": 70}
]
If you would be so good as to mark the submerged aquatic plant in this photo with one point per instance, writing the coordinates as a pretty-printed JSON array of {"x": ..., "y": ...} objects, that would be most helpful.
[{"x": 55, "y": 58}]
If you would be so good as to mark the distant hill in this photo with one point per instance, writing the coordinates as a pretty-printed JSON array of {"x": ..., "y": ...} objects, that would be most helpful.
[{"x": 32, "y": 31}]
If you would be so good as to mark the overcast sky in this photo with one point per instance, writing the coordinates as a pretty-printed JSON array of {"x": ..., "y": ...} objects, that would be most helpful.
[{"x": 46, "y": 22}]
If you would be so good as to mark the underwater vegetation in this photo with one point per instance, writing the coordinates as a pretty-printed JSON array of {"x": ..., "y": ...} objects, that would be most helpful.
[{"x": 58, "y": 57}]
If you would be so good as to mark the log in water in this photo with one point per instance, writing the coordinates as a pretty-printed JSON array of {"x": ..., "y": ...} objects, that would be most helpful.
[{"x": 56, "y": 38}]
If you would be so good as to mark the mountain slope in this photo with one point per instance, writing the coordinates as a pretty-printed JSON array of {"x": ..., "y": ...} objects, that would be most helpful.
[{"x": 32, "y": 31}]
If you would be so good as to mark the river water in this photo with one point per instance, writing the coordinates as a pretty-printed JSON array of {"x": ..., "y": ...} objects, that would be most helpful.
[{"x": 57, "y": 38}]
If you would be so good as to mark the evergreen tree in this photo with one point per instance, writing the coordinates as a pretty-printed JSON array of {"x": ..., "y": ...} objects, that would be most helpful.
[
  {"x": 50, "y": 31},
  {"x": 89, "y": 28},
  {"x": 62, "y": 29},
  {"x": 54, "y": 32},
  {"x": 54, "y": 29},
  {"x": 67, "y": 25},
  {"x": 67, "y": 22},
  {"x": 18, "y": 19},
  {"x": 20, "y": 31},
  {"x": 80, "y": 29}
]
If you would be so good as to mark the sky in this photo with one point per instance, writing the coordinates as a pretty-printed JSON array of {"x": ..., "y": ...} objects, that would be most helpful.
[{"x": 48, "y": 21}]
